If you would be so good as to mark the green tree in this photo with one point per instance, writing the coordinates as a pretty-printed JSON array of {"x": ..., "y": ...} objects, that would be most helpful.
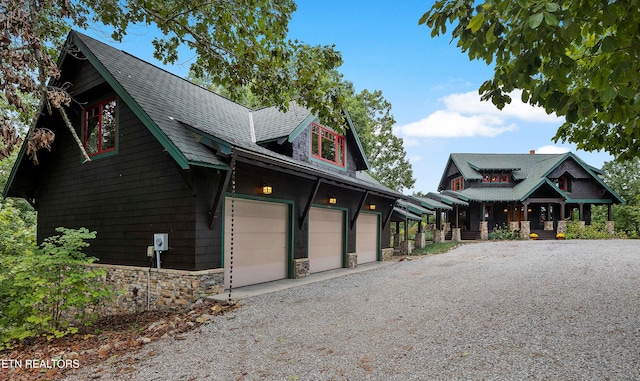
[
  {"x": 237, "y": 43},
  {"x": 371, "y": 115},
  {"x": 577, "y": 58},
  {"x": 624, "y": 178}
]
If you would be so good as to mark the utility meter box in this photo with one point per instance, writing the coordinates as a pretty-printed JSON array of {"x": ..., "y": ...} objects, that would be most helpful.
[{"x": 161, "y": 241}]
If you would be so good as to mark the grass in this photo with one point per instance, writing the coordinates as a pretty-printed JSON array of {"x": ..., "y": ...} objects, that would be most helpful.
[{"x": 435, "y": 248}]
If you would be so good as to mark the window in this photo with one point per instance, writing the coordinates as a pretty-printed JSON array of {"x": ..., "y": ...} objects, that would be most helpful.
[
  {"x": 100, "y": 128},
  {"x": 561, "y": 183},
  {"x": 327, "y": 145},
  {"x": 495, "y": 178},
  {"x": 457, "y": 184}
]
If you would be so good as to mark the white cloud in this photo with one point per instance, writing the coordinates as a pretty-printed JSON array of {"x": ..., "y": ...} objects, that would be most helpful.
[
  {"x": 465, "y": 115},
  {"x": 552, "y": 149}
]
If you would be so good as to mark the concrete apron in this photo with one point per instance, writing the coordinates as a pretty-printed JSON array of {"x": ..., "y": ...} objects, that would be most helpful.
[{"x": 283, "y": 284}]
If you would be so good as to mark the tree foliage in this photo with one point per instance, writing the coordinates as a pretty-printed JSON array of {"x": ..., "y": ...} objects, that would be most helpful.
[
  {"x": 624, "y": 178},
  {"x": 237, "y": 43},
  {"x": 577, "y": 58},
  {"x": 371, "y": 114}
]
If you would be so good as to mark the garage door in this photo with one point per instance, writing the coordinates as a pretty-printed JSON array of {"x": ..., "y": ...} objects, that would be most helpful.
[
  {"x": 260, "y": 241},
  {"x": 326, "y": 246},
  {"x": 367, "y": 238}
]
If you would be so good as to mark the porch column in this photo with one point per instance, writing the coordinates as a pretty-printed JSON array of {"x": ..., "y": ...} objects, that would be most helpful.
[
  {"x": 484, "y": 230},
  {"x": 548, "y": 223},
  {"x": 581, "y": 212},
  {"x": 457, "y": 225}
]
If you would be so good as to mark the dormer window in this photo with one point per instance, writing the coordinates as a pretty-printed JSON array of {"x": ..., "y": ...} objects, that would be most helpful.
[
  {"x": 562, "y": 184},
  {"x": 495, "y": 178},
  {"x": 457, "y": 184},
  {"x": 327, "y": 145}
]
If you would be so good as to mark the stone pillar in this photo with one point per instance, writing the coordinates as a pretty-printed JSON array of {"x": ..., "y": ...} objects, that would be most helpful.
[
  {"x": 548, "y": 225},
  {"x": 420, "y": 240},
  {"x": 455, "y": 235},
  {"x": 438, "y": 236},
  {"x": 525, "y": 229},
  {"x": 514, "y": 226},
  {"x": 301, "y": 267},
  {"x": 610, "y": 226},
  {"x": 562, "y": 226},
  {"x": 387, "y": 254},
  {"x": 352, "y": 260},
  {"x": 484, "y": 230},
  {"x": 405, "y": 248}
]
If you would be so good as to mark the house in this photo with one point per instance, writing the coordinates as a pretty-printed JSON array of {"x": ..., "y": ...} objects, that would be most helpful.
[
  {"x": 527, "y": 192},
  {"x": 277, "y": 193}
]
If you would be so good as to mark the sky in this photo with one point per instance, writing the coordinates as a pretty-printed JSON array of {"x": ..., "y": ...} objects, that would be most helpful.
[{"x": 431, "y": 85}]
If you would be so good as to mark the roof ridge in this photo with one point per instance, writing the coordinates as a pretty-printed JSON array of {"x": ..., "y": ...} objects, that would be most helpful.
[{"x": 82, "y": 35}]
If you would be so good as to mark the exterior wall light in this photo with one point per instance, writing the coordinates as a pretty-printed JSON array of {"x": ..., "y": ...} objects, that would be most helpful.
[
  {"x": 267, "y": 189},
  {"x": 333, "y": 200}
]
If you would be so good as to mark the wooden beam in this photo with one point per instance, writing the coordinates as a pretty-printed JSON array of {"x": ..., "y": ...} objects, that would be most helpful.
[
  {"x": 388, "y": 218},
  {"x": 307, "y": 207},
  {"x": 219, "y": 196},
  {"x": 357, "y": 212}
]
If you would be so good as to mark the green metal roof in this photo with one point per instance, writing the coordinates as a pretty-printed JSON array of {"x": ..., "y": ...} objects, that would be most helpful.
[{"x": 530, "y": 170}]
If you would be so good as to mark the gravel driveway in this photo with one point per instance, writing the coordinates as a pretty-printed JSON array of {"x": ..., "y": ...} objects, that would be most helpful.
[{"x": 535, "y": 310}]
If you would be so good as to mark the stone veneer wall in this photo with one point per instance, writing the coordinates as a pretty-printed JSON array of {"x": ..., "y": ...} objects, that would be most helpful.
[
  {"x": 387, "y": 254},
  {"x": 168, "y": 289}
]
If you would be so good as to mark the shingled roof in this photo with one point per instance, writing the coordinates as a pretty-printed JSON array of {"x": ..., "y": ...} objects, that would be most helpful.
[
  {"x": 530, "y": 172},
  {"x": 180, "y": 114}
]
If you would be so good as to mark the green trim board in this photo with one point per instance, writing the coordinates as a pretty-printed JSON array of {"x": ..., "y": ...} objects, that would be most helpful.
[
  {"x": 357, "y": 138},
  {"x": 301, "y": 127},
  {"x": 290, "y": 242}
]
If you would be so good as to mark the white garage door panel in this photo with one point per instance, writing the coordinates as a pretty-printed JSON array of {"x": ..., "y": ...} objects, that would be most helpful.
[
  {"x": 367, "y": 238},
  {"x": 325, "y": 239},
  {"x": 259, "y": 244}
]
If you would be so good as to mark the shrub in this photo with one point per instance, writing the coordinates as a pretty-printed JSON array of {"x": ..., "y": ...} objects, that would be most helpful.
[
  {"x": 501, "y": 232},
  {"x": 46, "y": 289},
  {"x": 575, "y": 230}
]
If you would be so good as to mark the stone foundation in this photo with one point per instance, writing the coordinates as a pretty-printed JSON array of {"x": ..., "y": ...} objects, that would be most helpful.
[
  {"x": 419, "y": 241},
  {"x": 525, "y": 229},
  {"x": 301, "y": 267},
  {"x": 484, "y": 230},
  {"x": 165, "y": 288},
  {"x": 387, "y": 254},
  {"x": 562, "y": 227},
  {"x": 610, "y": 226},
  {"x": 352, "y": 260},
  {"x": 438, "y": 236},
  {"x": 455, "y": 235}
]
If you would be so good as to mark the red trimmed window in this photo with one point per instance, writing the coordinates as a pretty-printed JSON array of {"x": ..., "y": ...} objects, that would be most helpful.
[
  {"x": 457, "y": 184},
  {"x": 562, "y": 183},
  {"x": 99, "y": 132},
  {"x": 326, "y": 145}
]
